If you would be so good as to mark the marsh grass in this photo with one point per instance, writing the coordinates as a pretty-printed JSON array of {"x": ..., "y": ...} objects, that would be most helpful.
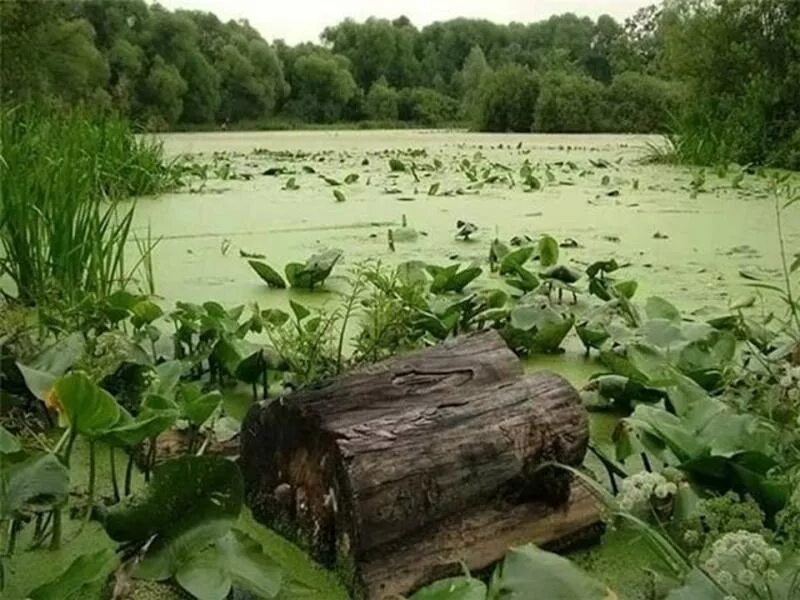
[{"x": 62, "y": 226}]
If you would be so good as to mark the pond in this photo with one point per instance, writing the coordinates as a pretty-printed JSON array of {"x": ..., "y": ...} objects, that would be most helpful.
[
  {"x": 686, "y": 233},
  {"x": 688, "y": 246}
]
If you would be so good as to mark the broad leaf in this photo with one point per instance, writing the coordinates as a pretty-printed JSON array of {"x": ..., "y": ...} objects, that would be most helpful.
[
  {"x": 88, "y": 408},
  {"x": 658, "y": 308},
  {"x": 9, "y": 444},
  {"x": 40, "y": 479},
  {"x": 85, "y": 570},
  {"x": 453, "y": 588},
  {"x": 270, "y": 276},
  {"x": 529, "y": 572}
]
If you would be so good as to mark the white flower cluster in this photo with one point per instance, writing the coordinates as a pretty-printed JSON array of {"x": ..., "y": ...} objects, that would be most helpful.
[
  {"x": 790, "y": 382},
  {"x": 639, "y": 490},
  {"x": 743, "y": 560}
]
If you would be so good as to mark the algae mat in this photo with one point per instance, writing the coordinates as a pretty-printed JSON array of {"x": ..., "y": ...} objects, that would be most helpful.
[{"x": 687, "y": 233}]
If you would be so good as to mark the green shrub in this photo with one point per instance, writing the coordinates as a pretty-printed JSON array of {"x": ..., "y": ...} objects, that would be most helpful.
[
  {"x": 570, "y": 103},
  {"x": 381, "y": 102},
  {"x": 506, "y": 100},
  {"x": 640, "y": 103},
  {"x": 426, "y": 106}
]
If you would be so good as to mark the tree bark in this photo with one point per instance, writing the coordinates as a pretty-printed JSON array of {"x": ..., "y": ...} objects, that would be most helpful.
[{"x": 419, "y": 448}]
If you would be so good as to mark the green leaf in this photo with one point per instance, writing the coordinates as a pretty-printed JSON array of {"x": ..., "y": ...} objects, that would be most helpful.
[
  {"x": 270, "y": 276},
  {"x": 512, "y": 261},
  {"x": 88, "y": 408},
  {"x": 351, "y": 178},
  {"x": 184, "y": 493},
  {"x": 274, "y": 316},
  {"x": 524, "y": 317},
  {"x": 339, "y": 195},
  {"x": 658, "y": 308},
  {"x": 662, "y": 332},
  {"x": 128, "y": 432},
  {"x": 529, "y": 572},
  {"x": 168, "y": 375},
  {"x": 230, "y": 351},
  {"x": 233, "y": 559},
  {"x": 165, "y": 557},
  {"x": 199, "y": 407},
  {"x": 40, "y": 479},
  {"x": 61, "y": 356},
  {"x": 548, "y": 251},
  {"x": 85, "y": 570},
  {"x": 453, "y": 588},
  {"x": 203, "y": 576},
  {"x": 300, "y": 311},
  {"x": 396, "y": 165},
  {"x": 145, "y": 312},
  {"x": 39, "y": 383},
  {"x": 249, "y": 567},
  {"x": 626, "y": 289},
  {"x": 9, "y": 444}
]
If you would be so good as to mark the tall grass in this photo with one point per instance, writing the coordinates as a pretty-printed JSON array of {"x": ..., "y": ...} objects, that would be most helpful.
[{"x": 62, "y": 226}]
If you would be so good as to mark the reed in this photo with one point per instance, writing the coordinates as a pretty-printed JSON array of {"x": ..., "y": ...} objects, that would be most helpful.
[{"x": 64, "y": 218}]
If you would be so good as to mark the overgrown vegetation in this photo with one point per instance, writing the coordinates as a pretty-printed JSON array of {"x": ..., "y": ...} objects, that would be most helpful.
[
  {"x": 63, "y": 228},
  {"x": 120, "y": 411}
]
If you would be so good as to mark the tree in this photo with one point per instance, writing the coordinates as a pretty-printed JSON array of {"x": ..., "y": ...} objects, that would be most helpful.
[
  {"x": 381, "y": 102},
  {"x": 641, "y": 103},
  {"x": 162, "y": 95},
  {"x": 473, "y": 71},
  {"x": 570, "y": 103},
  {"x": 44, "y": 54},
  {"x": 322, "y": 87},
  {"x": 506, "y": 100},
  {"x": 426, "y": 107}
]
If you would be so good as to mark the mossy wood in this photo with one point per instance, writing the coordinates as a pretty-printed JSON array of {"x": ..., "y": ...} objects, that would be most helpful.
[{"x": 395, "y": 473}]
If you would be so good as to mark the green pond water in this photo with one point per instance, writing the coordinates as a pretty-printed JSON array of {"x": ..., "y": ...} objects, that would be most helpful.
[{"x": 709, "y": 239}]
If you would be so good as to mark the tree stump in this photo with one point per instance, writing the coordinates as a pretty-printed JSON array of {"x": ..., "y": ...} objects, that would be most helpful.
[{"x": 394, "y": 473}]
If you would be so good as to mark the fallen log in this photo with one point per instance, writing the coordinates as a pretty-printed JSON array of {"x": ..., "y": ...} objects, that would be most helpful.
[{"x": 389, "y": 463}]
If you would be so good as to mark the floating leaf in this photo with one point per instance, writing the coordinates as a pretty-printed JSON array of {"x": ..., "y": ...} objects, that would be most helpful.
[
  {"x": 658, "y": 308},
  {"x": 339, "y": 195},
  {"x": 396, "y": 165},
  {"x": 351, "y": 178}
]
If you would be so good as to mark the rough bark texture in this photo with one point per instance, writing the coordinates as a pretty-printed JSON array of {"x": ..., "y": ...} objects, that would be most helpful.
[
  {"x": 478, "y": 538},
  {"x": 391, "y": 472}
]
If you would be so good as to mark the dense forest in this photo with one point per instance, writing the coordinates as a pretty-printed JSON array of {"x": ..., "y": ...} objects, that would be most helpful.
[{"x": 725, "y": 75}]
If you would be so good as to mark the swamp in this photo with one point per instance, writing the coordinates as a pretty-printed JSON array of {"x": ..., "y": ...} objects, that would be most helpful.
[{"x": 530, "y": 337}]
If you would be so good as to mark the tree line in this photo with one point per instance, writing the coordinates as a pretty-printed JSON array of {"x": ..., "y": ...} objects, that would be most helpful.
[{"x": 730, "y": 68}]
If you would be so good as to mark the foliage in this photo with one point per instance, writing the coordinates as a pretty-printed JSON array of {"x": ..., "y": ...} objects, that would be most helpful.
[
  {"x": 506, "y": 100},
  {"x": 61, "y": 236},
  {"x": 570, "y": 103},
  {"x": 525, "y": 572},
  {"x": 743, "y": 105},
  {"x": 381, "y": 102}
]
